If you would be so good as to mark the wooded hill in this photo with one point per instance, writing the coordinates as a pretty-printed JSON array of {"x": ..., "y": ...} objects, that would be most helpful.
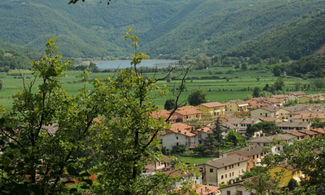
[
  {"x": 167, "y": 29},
  {"x": 301, "y": 37}
]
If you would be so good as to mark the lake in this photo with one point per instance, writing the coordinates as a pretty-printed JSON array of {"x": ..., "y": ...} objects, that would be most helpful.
[{"x": 116, "y": 64}]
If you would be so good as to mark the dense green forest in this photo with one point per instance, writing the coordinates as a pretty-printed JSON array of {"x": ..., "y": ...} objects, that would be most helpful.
[
  {"x": 297, "y": 39},
  {"x": 309, "y": 66},
  {"x": 167, "y": 29}
]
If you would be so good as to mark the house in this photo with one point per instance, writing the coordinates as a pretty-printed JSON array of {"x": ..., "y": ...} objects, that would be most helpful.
[
  {"x": 237, "y": 188},
  {"x": 187, "y": 113},
  {"x": 212, "y": 109},
  {"x": 295, "y": 96},
  {"x": 202, "y": 134},
  {"x": 255, "y": 154},
  {"x": 234, "y": 106},
  {"x": 266, "y": 141},
  {"x": 310, "y": 134},
  {"x": 163, "y": 114},
  {"x": 178, "y": 134},
  {"x": 282, "y": 97},
  {"x": 282, "y": 115},
  {"x": 240, "y": 124},
  {"x": 299, "y": 136},
  {"x": 286, "y": 126},
  {"x": 308, "y": 116},
  {"x": 268, "y": 111},
  {"x": 222, "y": 170},
  {"x": 154, "y": 166}
]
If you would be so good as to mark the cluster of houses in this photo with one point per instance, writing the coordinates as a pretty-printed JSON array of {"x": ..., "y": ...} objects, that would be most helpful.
[{"x": 191, "y": 125}]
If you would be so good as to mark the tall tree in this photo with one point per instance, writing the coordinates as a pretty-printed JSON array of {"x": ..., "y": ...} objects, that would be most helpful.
[
  {"x": 214, "y": 140},
  {"x": 196, "y": 97}
]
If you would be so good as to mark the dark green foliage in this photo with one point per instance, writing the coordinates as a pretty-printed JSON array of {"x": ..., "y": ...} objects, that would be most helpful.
[
  {"x": 178, "y": 149},
  {"x": 93, "y": 67},
  {"x": 254, "y": 171},
  {"x": 1, "y": 84},
  {"x": 256, "y": 92},
  {"x": 278, "y": 84},
  {"x": 319, "y": 83},
  {"x": 13, "y": 57},
  {"x": 169, "y": 104},
  {"x": 213, "y": 143},
  {"x": 233, "y": 140},
  {"x": 310, "y": 66},
  {"x": 168, "y": 29},
  {"x": 292, "y": 184},
  {"x": 269, "y": 128},
  {"x": 197, "y": 97},
  {"x": 297, "y": 38},
  {"x": 276, "y": 71}
]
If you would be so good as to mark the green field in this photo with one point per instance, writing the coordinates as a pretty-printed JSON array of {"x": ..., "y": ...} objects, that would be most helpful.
[
  {"x": 194, "y": 160},
  {"x": 237, "y": 85}
]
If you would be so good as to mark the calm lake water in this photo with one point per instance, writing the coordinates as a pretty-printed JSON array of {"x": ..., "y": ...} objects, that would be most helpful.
[{"x": 115, "y": 64}]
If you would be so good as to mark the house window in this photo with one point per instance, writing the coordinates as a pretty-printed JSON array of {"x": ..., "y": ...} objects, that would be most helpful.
[
  {"x": 232, "y": 166},
  {"x": 177, "y": 144},
  {"x": 221, "y": 176},
  {"x": 239, "y": 193},
  {"x": 225, "y": 175},
  {"x": 211, "y": 170},
  {"x": 228, "y": 193},
  {"x": 233, "y": 173},
  {"x": 229, "y": 174},
  {"x": 238, "y": 164},
  {"x": 176, "y": 137},
  {"x": 226, "y": 168}
]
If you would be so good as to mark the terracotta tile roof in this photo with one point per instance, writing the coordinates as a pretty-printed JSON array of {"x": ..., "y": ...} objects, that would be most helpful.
[
  {"x": 180, "y": 128},
  {"x": 295, "y": 133},
  {"x": 319, "y": 130},
  {"x": 160, "y": 113},
  {"x": 212, "y": 104},
  {"x": 205, "y": 130},
  {"x": 188, "y": 110},
  {"x": 225, "y": 161},
  {"x": 307, "y": 132},
  {"x": 205, "y": 189}
]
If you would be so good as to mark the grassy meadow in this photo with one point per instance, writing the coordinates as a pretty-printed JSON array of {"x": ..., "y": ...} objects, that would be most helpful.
[{"x": 232, "y": 84}]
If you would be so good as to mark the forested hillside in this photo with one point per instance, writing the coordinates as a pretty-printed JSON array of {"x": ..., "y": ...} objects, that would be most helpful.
[
  {"x": 12, "y": 56},
  {"x": 299, "y": 38},
  {"x": 167, "y": 29}
]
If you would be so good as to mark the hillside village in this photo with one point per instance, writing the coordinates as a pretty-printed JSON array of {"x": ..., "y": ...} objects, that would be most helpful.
[{"x": 293, "y": 115}]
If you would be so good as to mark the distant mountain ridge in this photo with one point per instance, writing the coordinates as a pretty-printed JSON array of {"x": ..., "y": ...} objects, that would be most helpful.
[{"x": 167, "y": 28}]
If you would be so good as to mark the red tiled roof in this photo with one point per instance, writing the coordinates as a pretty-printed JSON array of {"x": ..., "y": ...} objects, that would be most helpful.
[
  {"x": 188, "y": 110},
  {"x": 180, "y": 128},
  {"x": 160, "y": 113},
  {"x": 319, "y": 130}
]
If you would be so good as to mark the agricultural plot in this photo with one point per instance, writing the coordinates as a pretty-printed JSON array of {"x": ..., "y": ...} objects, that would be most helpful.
[{"x": 231, "y": 84}]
